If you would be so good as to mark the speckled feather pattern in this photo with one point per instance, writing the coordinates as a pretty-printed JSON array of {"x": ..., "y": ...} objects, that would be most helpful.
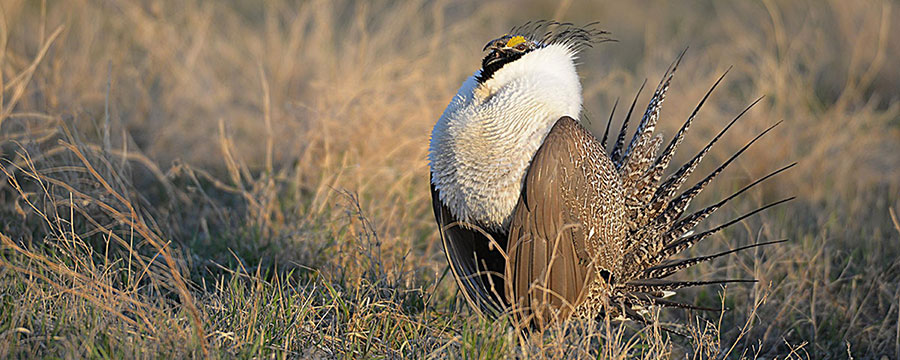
[{"x": 596, "y": 198}]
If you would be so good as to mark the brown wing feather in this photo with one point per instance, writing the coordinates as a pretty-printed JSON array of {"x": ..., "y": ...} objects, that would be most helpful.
[
  {"x": 477, "y": 266},
  {"x": 552, "y": 262}
]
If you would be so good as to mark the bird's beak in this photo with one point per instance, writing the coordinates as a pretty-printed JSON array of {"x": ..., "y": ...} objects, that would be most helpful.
[
  {"x": 495, "y": 56},
  {"x": 496, "y": 44},
  {"x": 497, "y": 49}
]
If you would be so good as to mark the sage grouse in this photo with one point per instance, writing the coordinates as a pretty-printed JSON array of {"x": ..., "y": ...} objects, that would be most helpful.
[{"x": 537, "y": 220}]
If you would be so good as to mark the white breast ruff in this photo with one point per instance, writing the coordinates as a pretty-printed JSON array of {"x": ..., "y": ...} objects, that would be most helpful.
[{"x": 484, "y": 141}]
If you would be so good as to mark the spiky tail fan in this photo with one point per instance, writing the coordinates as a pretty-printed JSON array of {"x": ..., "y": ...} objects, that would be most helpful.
[{"x": 657, "y": 229}]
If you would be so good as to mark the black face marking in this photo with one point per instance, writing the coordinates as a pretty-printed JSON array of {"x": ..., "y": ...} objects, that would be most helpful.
[{"x": 495, "y": 60}]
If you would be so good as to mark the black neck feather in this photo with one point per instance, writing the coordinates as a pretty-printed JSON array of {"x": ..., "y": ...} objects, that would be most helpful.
[{"x": 488, "y": 70}]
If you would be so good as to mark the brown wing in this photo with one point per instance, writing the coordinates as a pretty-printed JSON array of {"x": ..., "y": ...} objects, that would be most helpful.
[
  {"x": 477, "y": 265},
  {"x": 564, "y": 190}
]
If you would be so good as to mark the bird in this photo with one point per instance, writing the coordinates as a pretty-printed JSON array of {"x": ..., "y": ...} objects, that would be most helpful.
[{"x": 536, "y": 218}]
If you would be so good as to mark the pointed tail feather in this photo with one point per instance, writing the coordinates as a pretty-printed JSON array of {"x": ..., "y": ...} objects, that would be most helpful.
[
  {"x": 663, "y": 285},
  {"x": 684, "y": 225},
  {"x": 635, "y": 166},
  {"x": 689, "y": 241},
  {"x": 677, "y": 206},
  {"x": 645, "y": 244},
  {"x": 651, "y": 249},
  {"x": 649, "y": 300},
  {"x": 609, "y": 122},
  {"x": 667, "y": 269},
  {"x": 662, "y": 162},
  {"x": 641, "y": 151},
  {"x": 645, "y": 187},
  {"x": 656, "y": 230},
  {"x": 651, "y": 115},
  {"x": 620, "y": 141},
  {"x": 668, "y": 188}
]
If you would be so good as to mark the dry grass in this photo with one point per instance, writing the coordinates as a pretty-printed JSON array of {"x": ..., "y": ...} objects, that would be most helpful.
[{"x": 201, "y": 179}]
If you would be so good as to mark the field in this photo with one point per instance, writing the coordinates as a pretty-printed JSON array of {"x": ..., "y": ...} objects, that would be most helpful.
[{"x": 249, "y": 179}]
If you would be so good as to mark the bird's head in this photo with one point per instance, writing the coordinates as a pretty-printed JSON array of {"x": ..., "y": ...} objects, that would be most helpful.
[
  {"x": 534, "y": 36},
  {"x": 506, "y": 49}
]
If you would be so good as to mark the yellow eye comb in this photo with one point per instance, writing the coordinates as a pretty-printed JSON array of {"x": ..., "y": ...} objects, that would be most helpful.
[{"x": 515, "y": 40}]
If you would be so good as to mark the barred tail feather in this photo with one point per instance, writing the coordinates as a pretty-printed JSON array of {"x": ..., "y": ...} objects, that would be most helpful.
[
  {"x": 645, "y": 245},
  {"x": 631, "y": 179},
  {"x": 668, "y": 188},
  {"x": 648, "y": 122},
  {"x": 662, "y": 162},
  {"x": 665, "y": 285},
  {"x": 650, "y": 300},
  {"x": 676, "y": 207},
  {"x": 608, "y": 123},
  {"x": 657, "y": 230},
  {"x": 666, "y": 269},
  {"x": 689, "y": 241},
  {"x": 684, "y": 225},
  {"x": 646, "y": 186},
  {"x": 620, "y": 140}
]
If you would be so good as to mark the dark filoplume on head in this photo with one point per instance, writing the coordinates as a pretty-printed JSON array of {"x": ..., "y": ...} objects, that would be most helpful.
[{"x": 534, "y": 35}]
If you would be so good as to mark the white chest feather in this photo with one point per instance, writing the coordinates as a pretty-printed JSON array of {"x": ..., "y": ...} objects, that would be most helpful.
[{"x": 484, "y": 141}]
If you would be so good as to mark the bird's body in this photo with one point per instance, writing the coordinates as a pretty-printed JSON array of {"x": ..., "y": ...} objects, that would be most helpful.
[
  {"x": 535, "y": 217},
  {"x": 487, "y": 136}
]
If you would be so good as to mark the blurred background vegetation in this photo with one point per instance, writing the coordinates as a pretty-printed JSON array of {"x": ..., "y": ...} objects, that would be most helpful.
[{"x": 249, "y": 178}]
